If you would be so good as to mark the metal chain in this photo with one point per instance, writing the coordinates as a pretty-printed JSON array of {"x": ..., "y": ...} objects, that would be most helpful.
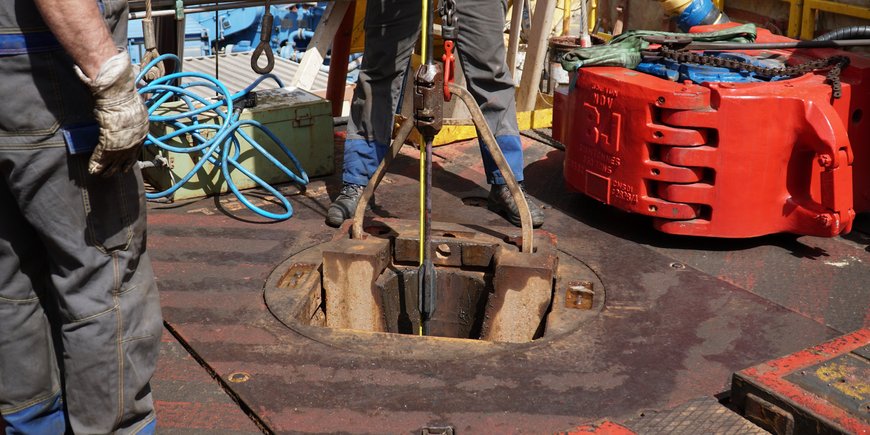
[
  {"x": 447, "y": 10},
  {"x": 835, "y": 63}
]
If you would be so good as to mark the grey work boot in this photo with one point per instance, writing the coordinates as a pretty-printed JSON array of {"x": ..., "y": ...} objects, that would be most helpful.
[
  {"x": 344, "y": 206},
  {"x": 501, "y": 201}
]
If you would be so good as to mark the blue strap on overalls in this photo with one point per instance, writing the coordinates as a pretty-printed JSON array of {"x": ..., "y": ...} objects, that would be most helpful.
[
  {"x": 80, "y": 139},
  {"x": 24, "y": 43}
]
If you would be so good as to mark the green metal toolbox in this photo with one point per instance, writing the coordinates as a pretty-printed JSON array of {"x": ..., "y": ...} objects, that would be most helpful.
[{"x": 300, "y": 119}]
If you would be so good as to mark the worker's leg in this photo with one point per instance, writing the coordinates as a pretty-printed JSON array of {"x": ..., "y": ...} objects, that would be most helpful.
[
  {"x": 482, "y": 56},
  {"x": 391, "y": 28},
  {"x": 30, "y": 393},
  {"x": 93, "y": 230}
]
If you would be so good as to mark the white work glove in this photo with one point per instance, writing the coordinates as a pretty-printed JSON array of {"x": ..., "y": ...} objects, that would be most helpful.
[{"x": 122, "y": 116}]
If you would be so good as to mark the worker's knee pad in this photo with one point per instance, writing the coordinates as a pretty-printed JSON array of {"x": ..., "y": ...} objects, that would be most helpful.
[{"x": 42, "y": 417}]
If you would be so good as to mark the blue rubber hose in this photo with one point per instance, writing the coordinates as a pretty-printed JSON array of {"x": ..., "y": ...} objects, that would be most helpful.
[{"x": 215, "y": 131}]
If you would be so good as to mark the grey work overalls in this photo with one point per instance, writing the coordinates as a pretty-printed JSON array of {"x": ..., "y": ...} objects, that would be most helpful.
[
  {"x": 392, "y": 27},
  {"x": 80, "y": 318}
]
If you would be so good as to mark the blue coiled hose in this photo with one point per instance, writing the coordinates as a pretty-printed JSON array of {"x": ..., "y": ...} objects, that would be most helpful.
[{"x": 224, "y": 147}]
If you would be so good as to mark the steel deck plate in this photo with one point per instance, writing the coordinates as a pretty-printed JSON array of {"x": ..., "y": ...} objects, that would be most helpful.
[
  {"x": 679, "y": 317},
  {"x": 700, "y": 416},
  {"x": 189, "y": 401}
]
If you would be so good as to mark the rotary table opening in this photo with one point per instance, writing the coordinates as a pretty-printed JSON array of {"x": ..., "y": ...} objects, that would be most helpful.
[{"x": 487, "y": 290}]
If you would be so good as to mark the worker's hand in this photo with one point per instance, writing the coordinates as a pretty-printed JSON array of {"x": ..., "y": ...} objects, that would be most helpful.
[{"x": 122, "y": 116}]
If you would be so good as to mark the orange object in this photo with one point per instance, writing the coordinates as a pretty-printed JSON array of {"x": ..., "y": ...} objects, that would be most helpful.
[
  {"x": 602, "y": 428},
  {"x": 449, "y": 64},
  {"x": 722, "y": 159}
]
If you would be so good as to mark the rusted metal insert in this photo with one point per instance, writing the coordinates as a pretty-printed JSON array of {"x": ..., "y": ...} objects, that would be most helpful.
[{"x": 488, "y": 291}]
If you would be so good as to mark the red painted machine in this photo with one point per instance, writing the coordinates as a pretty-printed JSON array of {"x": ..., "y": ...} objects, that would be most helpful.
[{"x": 722, "y": 159}]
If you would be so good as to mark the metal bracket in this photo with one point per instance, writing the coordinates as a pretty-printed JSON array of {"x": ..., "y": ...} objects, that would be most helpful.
[
  {"x": 768, "y": 415},
  {"x": 428, "y": 100},
  {"x": 179, "y": 10}
]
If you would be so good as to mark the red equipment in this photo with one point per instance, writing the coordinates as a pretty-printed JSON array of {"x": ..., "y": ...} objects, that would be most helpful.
[
  {"x": 823, "y": 389},
  {"x": 449, "y": 61},
  {"x": 722, "y": 159}
]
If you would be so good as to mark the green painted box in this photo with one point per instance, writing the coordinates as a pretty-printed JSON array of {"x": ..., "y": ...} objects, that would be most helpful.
[{"x": 300, "y": 119}]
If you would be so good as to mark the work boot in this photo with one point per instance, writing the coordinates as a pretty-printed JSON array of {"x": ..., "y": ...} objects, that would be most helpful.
[
  {"x": 344, "y": 206},
  {"x": 501, "y": 201}
]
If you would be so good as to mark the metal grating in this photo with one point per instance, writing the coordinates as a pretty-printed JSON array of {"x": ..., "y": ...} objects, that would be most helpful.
[
  {"x": 700, "y": 416},
  {"x": 234, "y": 71}
]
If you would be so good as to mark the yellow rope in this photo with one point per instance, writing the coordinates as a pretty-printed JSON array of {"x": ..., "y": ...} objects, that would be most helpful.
[{"x": 425, "y": 28}]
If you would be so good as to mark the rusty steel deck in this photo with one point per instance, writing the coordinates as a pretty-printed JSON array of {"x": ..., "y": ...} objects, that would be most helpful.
[{"x": 681, "y": 314}]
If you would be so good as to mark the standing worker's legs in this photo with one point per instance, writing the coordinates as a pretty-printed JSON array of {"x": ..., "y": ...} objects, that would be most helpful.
[
  {"x": 29, "y": 380},
  {"x": 391, "y": 28},
  {"x": 482, "y": 56},
  {"x": 92, "y": 229}
]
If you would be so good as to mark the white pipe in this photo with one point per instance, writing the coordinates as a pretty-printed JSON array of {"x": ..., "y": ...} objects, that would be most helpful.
[
  {"x": 585, "y": 39},
  {"x": 514, "y": 38}
]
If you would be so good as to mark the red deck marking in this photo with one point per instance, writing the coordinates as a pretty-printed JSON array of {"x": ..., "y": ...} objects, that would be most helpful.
[{"x": 605, "y": 428}]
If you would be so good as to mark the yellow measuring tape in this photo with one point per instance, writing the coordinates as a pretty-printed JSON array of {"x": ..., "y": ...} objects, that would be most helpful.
[{"x": 425, "y": 28}]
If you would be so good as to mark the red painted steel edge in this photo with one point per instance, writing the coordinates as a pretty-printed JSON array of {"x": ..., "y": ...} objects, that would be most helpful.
[
  {"x": 719, "y": 159},
  {"x": 603, "y": 428},
  {"x": 770, "y": 375}
]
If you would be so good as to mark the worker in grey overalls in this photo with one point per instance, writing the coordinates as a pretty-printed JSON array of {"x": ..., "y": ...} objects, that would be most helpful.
[
  {"x": 392, "y": 27},
  {"x": 80, "y": 320}
]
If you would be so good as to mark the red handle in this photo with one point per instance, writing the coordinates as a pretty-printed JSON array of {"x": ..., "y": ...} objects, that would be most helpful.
[
  {"x": 449, "y": 61},
  {"x": 830, "y": 140}
]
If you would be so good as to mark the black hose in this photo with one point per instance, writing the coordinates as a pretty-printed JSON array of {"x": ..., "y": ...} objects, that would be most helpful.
[{"x": 854, "y": 32}]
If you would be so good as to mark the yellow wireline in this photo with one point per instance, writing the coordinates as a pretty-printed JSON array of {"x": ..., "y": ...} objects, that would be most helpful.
[{"x": 425, "y": 27}]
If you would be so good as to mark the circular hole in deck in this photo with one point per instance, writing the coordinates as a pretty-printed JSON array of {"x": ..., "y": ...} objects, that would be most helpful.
[{"x": 363, "y": 294}]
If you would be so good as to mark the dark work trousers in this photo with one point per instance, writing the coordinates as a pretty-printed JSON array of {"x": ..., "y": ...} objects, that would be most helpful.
[
  {"x": 392, "y": 27},
  {"x": 80, "y": 319},
  {"x": 73, "y": 263}
]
